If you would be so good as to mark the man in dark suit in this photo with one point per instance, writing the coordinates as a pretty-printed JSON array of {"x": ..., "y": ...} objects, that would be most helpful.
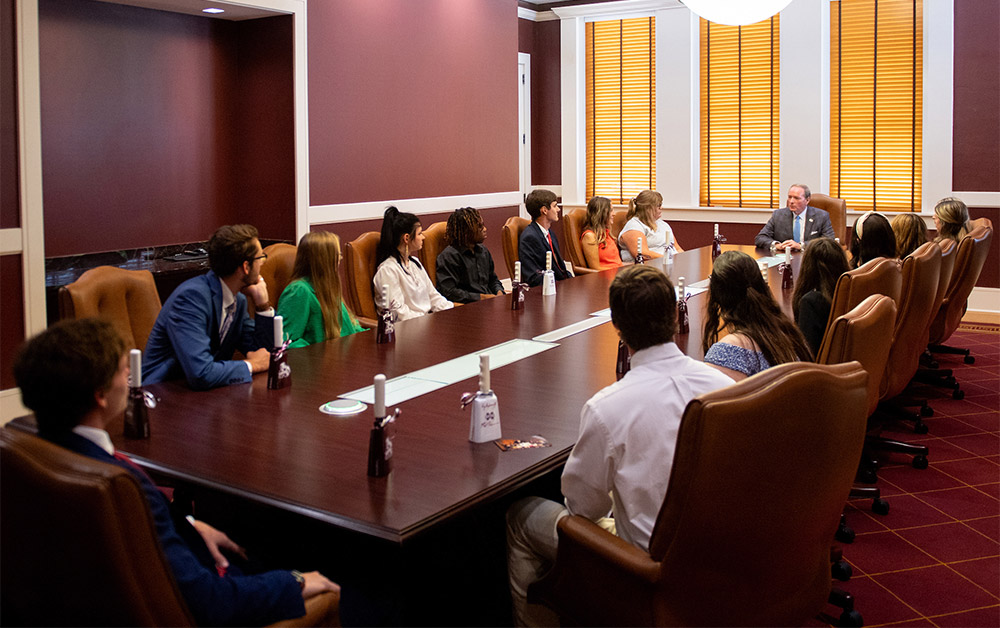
[
  {"x": 74, "y": 376},
  {"x": 205, "y": 320},
  {"x": 537, "y": 238},
  {"x": 796, "y": 224}
]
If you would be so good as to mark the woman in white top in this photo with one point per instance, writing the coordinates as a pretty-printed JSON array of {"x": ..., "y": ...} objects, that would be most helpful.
[
  {"x": 408, "y": 288},
  {"x": 643, "y": 221}
]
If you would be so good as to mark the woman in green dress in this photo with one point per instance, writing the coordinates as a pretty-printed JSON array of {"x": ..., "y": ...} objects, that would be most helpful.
[{"x": 312, "y": 305}]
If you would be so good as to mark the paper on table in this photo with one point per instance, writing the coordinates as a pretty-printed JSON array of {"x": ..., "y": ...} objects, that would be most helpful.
[
  {"x": 411, "y": 385},
  {"x": 689, "y": 290},
  {"x": 774, "y": 260},
  {"x": 575, "y": 328},
  {"x": 605, "y": 312}
]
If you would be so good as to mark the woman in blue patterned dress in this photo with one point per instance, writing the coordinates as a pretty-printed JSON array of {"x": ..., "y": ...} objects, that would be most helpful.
[{"x": 755, "y": 334}]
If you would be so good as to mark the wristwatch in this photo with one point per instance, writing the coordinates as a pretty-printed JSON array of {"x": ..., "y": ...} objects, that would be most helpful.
[{"x": 299, "y": 578}]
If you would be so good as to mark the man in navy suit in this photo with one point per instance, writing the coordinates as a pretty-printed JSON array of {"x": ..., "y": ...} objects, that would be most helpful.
[
  {"x": 205, "y": 320},
  {"x": 793, "y": 226},
  {"x": 537, "y": 238},
  {"x": 74, "y": 376}
]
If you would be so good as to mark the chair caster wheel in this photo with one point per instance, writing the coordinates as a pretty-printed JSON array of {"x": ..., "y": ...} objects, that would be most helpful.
[
  {"x": 920, "y": 462},
  {"x": 880, "y": 506},
  {"x": 851, "y": 619},
  {"x": 926, "y": 411},
  {"x": 969, "y": 359},
  {"x": 958, "y": 395},
  {"x": 845, "y": 534},
  {"x": 920, "y": 427},
  {"x": 867, "y": 476},
  {"x": 840, "y": 570}
]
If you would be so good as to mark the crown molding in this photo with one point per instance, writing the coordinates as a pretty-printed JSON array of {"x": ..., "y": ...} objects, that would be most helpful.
[{"x": 615, "y": 8}]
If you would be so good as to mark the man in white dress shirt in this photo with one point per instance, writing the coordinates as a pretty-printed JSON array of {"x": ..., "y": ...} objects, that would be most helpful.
[{"x": 621, "y": 463}]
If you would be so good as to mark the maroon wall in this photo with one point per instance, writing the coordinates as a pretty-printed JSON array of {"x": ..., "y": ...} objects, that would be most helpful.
[
  {"x": 411, "y": 99},
  {"x": 12, "y": 315},
  {"x": 10, "y": 192},
  {"x": 146, "y": 131},
  {"x": 541, "y": 40},
  {"x": 976, "y": 140},
  {"x": 990, "y": 276}
]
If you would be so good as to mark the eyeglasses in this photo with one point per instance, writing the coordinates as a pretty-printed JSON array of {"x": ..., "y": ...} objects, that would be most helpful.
[{"x": 261, "y": 256}]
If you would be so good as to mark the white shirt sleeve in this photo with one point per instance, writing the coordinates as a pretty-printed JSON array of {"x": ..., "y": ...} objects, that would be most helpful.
[{"x": 587, "y": 477}]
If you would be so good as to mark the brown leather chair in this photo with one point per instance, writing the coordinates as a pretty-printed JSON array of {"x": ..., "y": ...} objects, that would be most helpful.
[
  {"x": 126, "y": 298},
  {"x": 837, "y": 208},
  {"x": 980, "y": 222},
  {"x": 878, "y": 276},
  {"x": 434, "y": 243},
  {"x": 722, "y": 519},
  {"x": 618, "y": 222},
  {"x": 571, "y": 245},
  {"x": 80, "y": 545},
  {"x": 510, "y": 236},
  {"x": 360, "y": 271},
  {"x": 277, "y": 270}
]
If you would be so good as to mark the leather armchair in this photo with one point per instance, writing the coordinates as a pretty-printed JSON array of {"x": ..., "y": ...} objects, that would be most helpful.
[
  {"x": 277, "y": 270},
  {"x": 434, "y": 243},
  {"x": 360, "y": 269},
  {"x": 509, "y": 237},
  {"x": 572, "y": 229},
  {"x": 837, "y": 208},
  {"x": 618, "y": 222},
  {"x": 721, "y": 513},
  {"x": 878, "y": 276},
  {"x": 126, "y": 298}
]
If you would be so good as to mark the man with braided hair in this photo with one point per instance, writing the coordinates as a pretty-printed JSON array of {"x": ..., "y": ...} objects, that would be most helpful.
[{"x": 465, "y": 267}]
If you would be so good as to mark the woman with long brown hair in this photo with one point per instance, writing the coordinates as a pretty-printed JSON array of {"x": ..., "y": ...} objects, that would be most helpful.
[
  {"x": 910, "y": 232},
  {"x": 823, "y": 263},
  {"x": 756, "y": 335},
  {"x": 312, "y": 304},
  {"x": 599, "y": 248},
  {"x": 644, "y": 220}
]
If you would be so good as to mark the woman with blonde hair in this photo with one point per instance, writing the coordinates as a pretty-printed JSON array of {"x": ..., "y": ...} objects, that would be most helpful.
[
  {"x": 910, "y": 232},
  {"x": 312, "y": 305},
  {"x": 644, "y": 221},
  {"x": 951, "y": 219},
  {"x": 599, "y": 247}
]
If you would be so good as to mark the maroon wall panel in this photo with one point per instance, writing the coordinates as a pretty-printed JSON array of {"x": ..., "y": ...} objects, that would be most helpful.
[
  {"x": 411, "y": 99},
  {"x": 265, "y": 167},
  {"x": 990, "y": 276},
  {"x": 526, "y": 36},
  {"x": 12, "y": 315},
  {"x": 10, "y": 191},
  {"x": 976, "y": 140},
  {"x": 546, "y": 106},
  {"x": 137, "y": 125}
]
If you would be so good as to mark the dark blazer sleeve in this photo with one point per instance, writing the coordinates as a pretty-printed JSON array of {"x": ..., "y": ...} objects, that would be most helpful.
[
  {"x": 213, "y": 600},
  {"x": 452, "y": 277},
  {"x": 814, "y": 310},
  {"x": 766, "y": 235},
  {"x": 253, "y": 333},
  {"x": 821, "y": 227},
  {"x": 531, "y": 252},
  {"x": 558, "y": 264}
]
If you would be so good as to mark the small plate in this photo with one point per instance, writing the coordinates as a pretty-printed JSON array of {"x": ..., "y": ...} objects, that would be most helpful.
[{"x": 342, "y": 407}]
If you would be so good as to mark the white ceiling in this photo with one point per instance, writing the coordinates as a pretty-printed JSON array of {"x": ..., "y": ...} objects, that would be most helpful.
[{"x": 234, "y": 12}]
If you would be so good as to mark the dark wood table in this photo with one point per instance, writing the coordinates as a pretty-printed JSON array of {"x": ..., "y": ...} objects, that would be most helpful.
[{"x": 276, "y": 448}]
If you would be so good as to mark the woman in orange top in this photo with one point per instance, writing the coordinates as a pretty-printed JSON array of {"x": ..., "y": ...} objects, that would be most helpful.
[{"x": 599, "y": 248}]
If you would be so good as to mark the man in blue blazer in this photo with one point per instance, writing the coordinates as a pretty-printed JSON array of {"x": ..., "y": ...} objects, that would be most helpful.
[
  {"x": 205, "y": 320},
  {"x": 781, "y": 229},
  {"x": 537, "y": 238},
  {"x": 74, "y": 376}
]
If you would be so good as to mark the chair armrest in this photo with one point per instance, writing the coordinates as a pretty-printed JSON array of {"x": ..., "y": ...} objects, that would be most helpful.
[
  {"x": 592, "y": 567},
  {"x": 580, "y": 270}
]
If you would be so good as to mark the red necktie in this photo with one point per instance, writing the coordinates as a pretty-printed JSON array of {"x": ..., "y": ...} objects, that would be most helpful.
[
  {"x": 168, "y": 492},
  {"x": 551, "y": 248}
]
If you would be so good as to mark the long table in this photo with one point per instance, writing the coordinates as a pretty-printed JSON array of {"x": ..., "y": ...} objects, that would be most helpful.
[{"x": 275, "y": 447}]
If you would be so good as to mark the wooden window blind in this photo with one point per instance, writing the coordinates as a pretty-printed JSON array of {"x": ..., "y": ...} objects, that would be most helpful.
[
  {"x": 740, "y": 90},
  {"x": 876, "y": 103},
  {"x": 621, "y": 108}
]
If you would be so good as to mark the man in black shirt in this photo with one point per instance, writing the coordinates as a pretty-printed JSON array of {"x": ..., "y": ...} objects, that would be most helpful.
[{"x": 465, "y": 267}]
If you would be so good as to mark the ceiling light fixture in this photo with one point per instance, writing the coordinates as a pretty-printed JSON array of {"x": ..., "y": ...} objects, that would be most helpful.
[
  {"x": 213, "y": 10},
  {"x": 736, "y": 12}
]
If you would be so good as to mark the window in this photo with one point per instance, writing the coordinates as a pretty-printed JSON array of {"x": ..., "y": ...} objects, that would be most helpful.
[
  {"x": 739, "y": 114},
  {"x": 876, "y": 103},
  {"x": 621, "y": 108}
]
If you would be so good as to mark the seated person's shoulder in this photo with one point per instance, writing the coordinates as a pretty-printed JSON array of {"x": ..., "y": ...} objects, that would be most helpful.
[{"x": 740, "y": 340}]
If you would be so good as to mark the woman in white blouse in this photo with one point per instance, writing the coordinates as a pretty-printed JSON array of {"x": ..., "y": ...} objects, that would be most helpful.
[
  {"x": 409, "y": 290},
  {"x": 643, "y": 221}
]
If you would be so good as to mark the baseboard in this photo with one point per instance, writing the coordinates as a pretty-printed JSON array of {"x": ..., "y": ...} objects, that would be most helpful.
[
  {"x": 11, "y": 406},
  {"x": 984, "y": 306}
]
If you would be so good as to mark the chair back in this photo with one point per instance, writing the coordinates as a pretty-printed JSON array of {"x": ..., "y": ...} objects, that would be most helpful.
[
  {"x": 79, "y": 543},
  {"x": 126, "y": 298},
  {"x": 969, "y": 260},
  {"x": 837, "y": 208},
  {"x": 618, "y": 222},
  {"x": 863, "y": 335},
  {"x": 360, "y": 269},
  {"x": 277, "y": 270},
  {"x": 509, "y": 237},
  {"x": 722, "y": 513},
  {"x": 434, "y": 243},
  {"x": 980, "y": 222},
  {"x": 572, "y": 229},
  {"x": 878, "y": 276},
  {"x": 948, "y": 254},
  {"x": 921, "y": 273}
]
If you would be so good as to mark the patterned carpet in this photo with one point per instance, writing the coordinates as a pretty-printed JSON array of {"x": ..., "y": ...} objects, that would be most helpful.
[{"x": 934, "y": 559}]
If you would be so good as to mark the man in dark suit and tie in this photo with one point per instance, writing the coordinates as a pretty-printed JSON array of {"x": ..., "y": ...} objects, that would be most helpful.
[
  {"x": 75, "y": 377},
  {"x": 537, "y": 238},
  {"x": 796, "y": 224},
  {"x": 205, "y": 320}
]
